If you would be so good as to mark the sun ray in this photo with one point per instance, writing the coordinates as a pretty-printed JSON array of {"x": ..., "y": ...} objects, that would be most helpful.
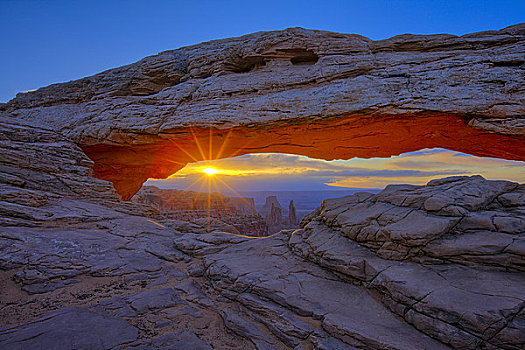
[
  {"x": 221, "y": 149},
  {"x": 235, "y": 153},
  {"x": 209, "y": 180},
  {"x": 210, "y": 144},
  {"x": 209, "y": 204},
  {"x": 234, "y": 191},
  {"x": 197, "y": 143},
  {"x": 183, "y": 150},
  {"x": 200, "y": 178},
  {"x": 176, "y": 196},
  {"x": 202, "y": 187},
  {"x": 240, "y": 149}
]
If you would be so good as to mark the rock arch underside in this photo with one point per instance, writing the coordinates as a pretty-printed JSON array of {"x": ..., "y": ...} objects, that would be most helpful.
[{"x": 413, "y": 267}]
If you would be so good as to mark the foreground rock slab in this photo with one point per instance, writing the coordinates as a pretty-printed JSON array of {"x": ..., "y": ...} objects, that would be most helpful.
[
  {"x": 69, "y": 328},
  {"x": 470, "y": 299},
  {"x": 343, "y": 310}
]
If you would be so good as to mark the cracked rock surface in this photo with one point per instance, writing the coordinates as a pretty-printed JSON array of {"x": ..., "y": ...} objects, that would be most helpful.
[
  {"x": 439, "y": 266},
  {"x": 412, "y": 267},
  {"x": 294, "y": 73},
  {"x": 448, "y": 272}
]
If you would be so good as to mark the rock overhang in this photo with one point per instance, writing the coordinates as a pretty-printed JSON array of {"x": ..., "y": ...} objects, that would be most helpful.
[{"x": 128, "y": 166}]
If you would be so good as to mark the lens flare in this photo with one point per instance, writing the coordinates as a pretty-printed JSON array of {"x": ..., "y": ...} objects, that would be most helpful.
[{"x": 210, "y": 171}]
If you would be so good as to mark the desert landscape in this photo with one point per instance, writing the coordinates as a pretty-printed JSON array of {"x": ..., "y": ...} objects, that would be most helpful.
[{"x": 91, "y": 259}]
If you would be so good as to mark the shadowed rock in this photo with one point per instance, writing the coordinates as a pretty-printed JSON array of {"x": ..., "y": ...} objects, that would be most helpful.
[{"x": 70, "y": 328}]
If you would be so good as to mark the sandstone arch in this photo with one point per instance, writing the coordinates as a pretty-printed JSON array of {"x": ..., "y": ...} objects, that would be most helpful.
[
  {"x": 342, "y": 138},
  {"x": 314, "y": 93}
]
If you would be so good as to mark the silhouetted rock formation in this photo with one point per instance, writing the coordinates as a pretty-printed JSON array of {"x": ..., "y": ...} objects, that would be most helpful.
[
  {"x": 273, "y": 214},
  {"x": 291, "y": 219},
  {"x": 274, "y": 219},
  {"x": 271, "y": 201}
]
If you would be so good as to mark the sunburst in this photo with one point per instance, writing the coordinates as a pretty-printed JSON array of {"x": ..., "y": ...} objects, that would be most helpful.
[{"x": 210, "y": 178}]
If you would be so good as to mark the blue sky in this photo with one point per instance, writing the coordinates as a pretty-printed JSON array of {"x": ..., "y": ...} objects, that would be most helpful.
[{"x": 44, "y": 42}]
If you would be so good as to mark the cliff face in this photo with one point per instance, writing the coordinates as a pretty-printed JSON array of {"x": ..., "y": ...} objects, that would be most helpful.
[
  {"x": 270, "y": 201},
  {"x": 217, "y": 212},
  {"x": 272, "y": 211},
  {"x": 173, "y": 200},
  {"x": 274, "y": 219},
  {"x": 314, "y": 93}
]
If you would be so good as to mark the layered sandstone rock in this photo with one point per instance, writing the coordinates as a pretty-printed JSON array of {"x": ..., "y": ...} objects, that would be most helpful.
[
  {"x": 44, "y": 177},
  {"x": 320, "y": 94},
  {"x": 80, "y": 269},
  {"x": 170, "y": 200},
  {"x": 434, "y": 254},
  {"x": 274, "y": 219},
  {"x": 413, "y": 267},
  {"x": 214, "y": 212}
]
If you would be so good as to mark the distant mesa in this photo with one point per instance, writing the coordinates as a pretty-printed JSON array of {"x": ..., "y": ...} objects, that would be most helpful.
[
  {"x": 230, "y": 214},
  {"x": 172, "y": 200},
  {"x": 271, "y": 201}
]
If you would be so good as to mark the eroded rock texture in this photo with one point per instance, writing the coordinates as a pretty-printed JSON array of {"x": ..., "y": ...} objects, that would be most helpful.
[
  {"x": 314, "y": 93},
  {"x": 81, "y": 270},
  {"x": 231, "y": 214},
  {"x": 434, "y": 254},
  {"x": 413, "y": 267}
]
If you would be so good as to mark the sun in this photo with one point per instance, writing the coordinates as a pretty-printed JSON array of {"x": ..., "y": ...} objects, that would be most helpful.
[{"x": 210, "y": 171}]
